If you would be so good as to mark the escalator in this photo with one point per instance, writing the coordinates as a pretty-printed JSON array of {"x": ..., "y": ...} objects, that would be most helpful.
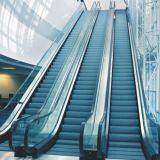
[
  {"x": 39, "y": 96},
  {"x": 83, "y": 94},
  {"x": 121, "y": 127},
  {"x": 58, "y": 132},
  {"x": 125, "y": 141},
  {"x": 43, "y": 90}
]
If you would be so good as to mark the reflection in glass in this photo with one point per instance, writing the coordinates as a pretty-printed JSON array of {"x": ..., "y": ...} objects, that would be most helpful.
[{"x": 29, "y": 27}]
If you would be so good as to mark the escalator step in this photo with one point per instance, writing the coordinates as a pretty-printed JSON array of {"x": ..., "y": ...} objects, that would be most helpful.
[
  {"x": 124, "y": 130},
  {"x": 82, "y": 92},
  {"x": 124, "y": 137},
  {"x": 123, "y": 97},
  {"x": 71, "y": 142},
  {"x": 124, "y": 144},
  {"x": 82, "y": 97},
  {"x": 73, "y": 121},
  {"x": 124, "y": 109},
  {"x": 69, "y": 135},
  {"x": 126, "y": 115},
  {"x": 78, "y": 114},
  {"x": 124, "y": 103},
  {"x": 124, "y": 122},
  {"x": 79, "y": 108},
  {"x": 72, "y": 128},
  {"x": 81, "y": 102}
]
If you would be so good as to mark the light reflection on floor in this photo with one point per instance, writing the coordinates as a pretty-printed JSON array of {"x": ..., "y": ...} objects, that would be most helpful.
[{"x": 10, "y": 156}]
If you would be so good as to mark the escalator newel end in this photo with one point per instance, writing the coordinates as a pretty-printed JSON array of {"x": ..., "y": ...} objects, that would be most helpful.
[
  {"x": 20, "y": 151},
  {"x": 33, "y": 152},
  {"x": 155, "y": 157}
]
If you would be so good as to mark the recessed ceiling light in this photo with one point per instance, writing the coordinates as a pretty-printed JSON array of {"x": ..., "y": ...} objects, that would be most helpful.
[{"x": 9, "y": 68}]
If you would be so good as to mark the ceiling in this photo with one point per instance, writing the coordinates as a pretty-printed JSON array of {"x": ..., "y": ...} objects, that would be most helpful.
[
  {"x": 29, "y": 27},
  {"x": 15, "y": 67}
]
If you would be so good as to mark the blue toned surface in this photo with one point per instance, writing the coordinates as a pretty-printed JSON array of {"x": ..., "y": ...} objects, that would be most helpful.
[
  {"x": 82, "y": 98},
  {"x": 124, "y": 130},
  {"x": 44, "y": 87}
]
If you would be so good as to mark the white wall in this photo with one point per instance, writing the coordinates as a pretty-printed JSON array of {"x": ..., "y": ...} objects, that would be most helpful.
[
  {"x": 28, "y": 40},
  {"x": 104, "y": 3}
]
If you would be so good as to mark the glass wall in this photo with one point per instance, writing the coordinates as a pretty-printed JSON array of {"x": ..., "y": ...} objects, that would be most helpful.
[
  {"x": 29, "y": 27},
  {"x": 146, "y": 17},
  {"x": 104, "y": 3}
]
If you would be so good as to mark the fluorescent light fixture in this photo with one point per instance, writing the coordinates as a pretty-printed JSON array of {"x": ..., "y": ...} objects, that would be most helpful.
[{"x": 9, "y": 68}]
